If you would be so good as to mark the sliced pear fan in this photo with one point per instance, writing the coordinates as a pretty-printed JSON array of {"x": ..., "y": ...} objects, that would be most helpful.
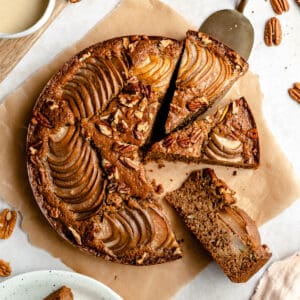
[
  {"x": 90, "y": 94},
  {"x": 136, "y": 226}
]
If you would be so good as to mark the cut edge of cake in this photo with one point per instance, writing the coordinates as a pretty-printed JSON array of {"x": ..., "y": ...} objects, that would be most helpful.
[{"x": 213, "y": 139}]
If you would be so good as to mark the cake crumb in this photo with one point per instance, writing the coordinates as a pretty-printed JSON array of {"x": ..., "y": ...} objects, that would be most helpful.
[
  {"x": 234, "y": 173},
  {"x": 171, "y": 179},
  {"x": 161, "y": 165},
  {"x": 116, "y": 277},
  {"x": 159, "y": 189},
  {"x": 153, "y": 183}
]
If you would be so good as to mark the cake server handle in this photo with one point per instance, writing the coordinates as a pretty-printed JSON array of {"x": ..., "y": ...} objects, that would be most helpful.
[{"x": 240, "y": 8}]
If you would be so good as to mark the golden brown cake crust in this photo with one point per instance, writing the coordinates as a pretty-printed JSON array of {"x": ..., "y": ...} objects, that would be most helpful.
[
  {"x": 207, "y": 206},
  {"x": 82, "y": 146}
]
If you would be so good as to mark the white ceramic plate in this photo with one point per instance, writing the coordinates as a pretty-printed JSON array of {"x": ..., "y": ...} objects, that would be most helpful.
[{"x": 39, "y": 284}]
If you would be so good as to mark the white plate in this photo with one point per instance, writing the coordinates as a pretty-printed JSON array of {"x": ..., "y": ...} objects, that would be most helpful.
[{"x": 39, "y": 284}]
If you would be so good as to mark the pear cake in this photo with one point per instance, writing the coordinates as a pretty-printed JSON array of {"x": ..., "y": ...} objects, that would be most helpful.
[
  {"x": 207, "y": 70},
  {"x": 83, "y": 141},
  {"x": 208, "y": 208},
  {"x": 226, "y": 137},
  {"x": 96, "y": 119}
]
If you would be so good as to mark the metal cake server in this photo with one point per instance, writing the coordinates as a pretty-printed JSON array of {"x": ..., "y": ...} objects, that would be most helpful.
[{"x": 232, "y": 28}]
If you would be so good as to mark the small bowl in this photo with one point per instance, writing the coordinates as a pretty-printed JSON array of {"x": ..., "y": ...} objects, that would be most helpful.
[{"x": 43, "y": 19}]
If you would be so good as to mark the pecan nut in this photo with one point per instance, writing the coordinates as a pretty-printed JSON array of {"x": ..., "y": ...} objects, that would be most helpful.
[
  {"x": 280, "y": 6},
  {"x": 168, "y": 141},
  {"x": 184, "y": 141},
  {"x": 7, "y": 223},
  {"x": 273, "y": 32},
  {"x": 196, "y": 135},
  {"x": 5, "y": 269},
  {"x": 295, "y": 92},
  {"x": 124, "y": 148},
  {"x": 196, "y": 103},
  {"x": 130, "y": 163},
  {"x": 38, "y": 117}
]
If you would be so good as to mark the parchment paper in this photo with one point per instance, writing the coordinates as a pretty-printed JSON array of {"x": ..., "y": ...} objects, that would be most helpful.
[{"x": 264, "y": 193}]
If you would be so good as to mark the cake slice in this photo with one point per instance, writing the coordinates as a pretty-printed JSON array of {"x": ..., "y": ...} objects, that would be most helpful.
[
  {"x": 226, "y": 137},
  {"x": 208, "y": 209},
  {"x": 207, "y": 70},
  {"x": 63, "y": 293}
]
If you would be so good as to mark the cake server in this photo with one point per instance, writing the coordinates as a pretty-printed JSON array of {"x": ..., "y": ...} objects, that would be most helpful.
[{"x": 232, "y": 28}]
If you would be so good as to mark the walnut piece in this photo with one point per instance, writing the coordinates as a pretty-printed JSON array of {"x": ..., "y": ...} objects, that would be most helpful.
[
  {"x": 7, "y": 223},
  {"x": 280, "y": 6},
  {"x": 5, "y": 269},
  {"x": 273, "y": 32},
  {"x": 295, "y": 92}
]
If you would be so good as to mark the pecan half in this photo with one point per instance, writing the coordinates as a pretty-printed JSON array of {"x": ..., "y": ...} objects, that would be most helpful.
[
  {"x": 273, "y": 32},
  {"x": 295, "y": 92},
  {"x": 130, "y": 163},
  {"x": 123, "y": 188},
  {"x": 38, "y": 117},
  {"x": 5, "y": 269},
  {"x": 196, "y": 135},
  {"x": 196, "y": 103},
  {"x": 7, "y": 223},
  {"x": 124, "y": 148},
  {"x": 184, "y": 141},
  {"x": 280, "y": 6},
  {"x": 298, "y": 2},
  {"x": 168, "y": 141}
]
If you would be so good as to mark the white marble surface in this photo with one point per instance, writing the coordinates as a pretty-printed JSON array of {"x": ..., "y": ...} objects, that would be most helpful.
[{"x": 278, "y": 68}]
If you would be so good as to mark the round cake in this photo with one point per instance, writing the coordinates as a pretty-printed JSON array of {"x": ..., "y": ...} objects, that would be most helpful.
[{"x": 96, "y": 117}]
